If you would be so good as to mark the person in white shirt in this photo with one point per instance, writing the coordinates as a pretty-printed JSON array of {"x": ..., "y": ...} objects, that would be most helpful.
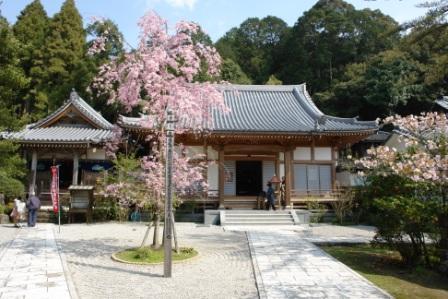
[{"x": 18, "y": 212}]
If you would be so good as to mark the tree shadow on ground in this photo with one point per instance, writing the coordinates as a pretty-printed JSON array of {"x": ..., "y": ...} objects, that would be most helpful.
[{"x": 115, "y": 269}]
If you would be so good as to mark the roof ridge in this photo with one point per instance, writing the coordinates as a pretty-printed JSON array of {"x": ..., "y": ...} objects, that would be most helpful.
[
  {"x": 256, "y": 87},
  {"x": 82, "y": 106}
]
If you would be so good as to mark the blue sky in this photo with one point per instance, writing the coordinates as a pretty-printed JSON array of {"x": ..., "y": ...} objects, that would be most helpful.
[{"x": 215, "y": 16}]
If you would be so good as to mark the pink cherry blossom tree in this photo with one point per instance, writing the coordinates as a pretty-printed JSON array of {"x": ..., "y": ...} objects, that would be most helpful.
[
  {"x": 159, "y": 75},
  {"x": 425, "y": 159}
]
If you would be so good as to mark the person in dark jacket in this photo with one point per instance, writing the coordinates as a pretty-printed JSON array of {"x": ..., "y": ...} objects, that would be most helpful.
[
  {"x": 33, "y": 205},
  {"x": 270, "y": 195}
]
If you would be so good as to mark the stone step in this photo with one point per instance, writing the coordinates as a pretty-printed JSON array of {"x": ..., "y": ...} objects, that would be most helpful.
[
  {"x": 260, "y": 223},
  {"x": 258, "y": 215},
  {"x": 233, "y": 218}
]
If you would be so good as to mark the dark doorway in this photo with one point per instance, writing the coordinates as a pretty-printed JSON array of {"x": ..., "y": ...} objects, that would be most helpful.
[
  {"x": 248, "y": 178},
  {"x": 65, "y": 173}
]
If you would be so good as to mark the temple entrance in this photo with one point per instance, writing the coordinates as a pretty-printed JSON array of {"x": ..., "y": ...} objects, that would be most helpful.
[
  {"x": 65, "y": 173},
  {"x": 248, "y": 178}
]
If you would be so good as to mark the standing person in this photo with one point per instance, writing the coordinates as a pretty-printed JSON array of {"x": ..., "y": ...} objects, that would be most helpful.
[
  {"x": 33, "y": 204},
  {"x": 270, "y": 195},
  {"x": 18, "y": 211},
  {"x": 283, "y": 192}
]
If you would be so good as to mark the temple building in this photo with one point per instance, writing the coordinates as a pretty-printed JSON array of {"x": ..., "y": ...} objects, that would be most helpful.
[
  {"x": 269, "y": 132},
  {"x": 72, "y": 137}
]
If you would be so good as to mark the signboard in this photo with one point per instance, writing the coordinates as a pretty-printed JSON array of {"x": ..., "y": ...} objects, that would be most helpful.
[{"x": 55, "y": 188}]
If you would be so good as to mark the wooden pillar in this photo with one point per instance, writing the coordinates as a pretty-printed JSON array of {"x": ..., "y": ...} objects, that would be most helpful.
[
  {"x": 288, "y": 176},
  {"x": 221, "y": 175},
  {"x": 333, "y": 168},
  {"x": 277, "y": 166},
  {"x": 75, "y": 168},
  {"x": 205, "y": 171},
  {"x": 32, "y": 188},
  {"x": 313, "y": 147}
]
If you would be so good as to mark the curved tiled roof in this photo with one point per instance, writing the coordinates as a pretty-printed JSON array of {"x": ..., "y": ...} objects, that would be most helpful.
[
  {"x": 443, "y": 102},
  {"x": 272, "y": 109},
  {"x": 81, "y": 106},
  {"x": 61, "y": 134}
]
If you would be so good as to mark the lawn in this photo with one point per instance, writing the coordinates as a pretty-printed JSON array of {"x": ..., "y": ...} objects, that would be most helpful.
[
  {"x": 147, "y": 255},
  {"x": 383, "y": 268}
]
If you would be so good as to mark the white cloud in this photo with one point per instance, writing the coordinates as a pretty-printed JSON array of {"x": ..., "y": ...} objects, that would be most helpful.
[
  {"x": 174, "y": 3},
  {"x": 182, "y": 3}
]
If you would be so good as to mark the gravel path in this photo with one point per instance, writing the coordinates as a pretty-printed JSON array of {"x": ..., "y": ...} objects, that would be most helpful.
[{"x": 222, "y": 270}]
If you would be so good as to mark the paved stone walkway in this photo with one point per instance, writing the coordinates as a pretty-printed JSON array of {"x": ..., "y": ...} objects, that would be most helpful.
[
  {"x": 287, "y": 266},
  {"x": 31, "y": 267}
]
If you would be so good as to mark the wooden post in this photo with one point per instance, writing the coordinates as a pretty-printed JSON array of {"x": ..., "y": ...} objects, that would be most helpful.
[
  {"x": 333, "y": 168},
  {"x": 32, "y": 188},
  {"x": 75, "y": 168},
  {"x": 288, "y": 177},
  {"x": 221, "y": 174}
]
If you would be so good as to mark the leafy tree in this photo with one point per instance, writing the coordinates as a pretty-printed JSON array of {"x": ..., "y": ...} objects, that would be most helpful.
[
  {"x": 65, "y": 55},
  {"x": 254, "y": 45},
  {"x": 378, "y": 87},
  {"x": 159, "y": 75},
  {"x": 112, "y": 48},
  {"x": 231, "y": 72},
  {"x": 31, "y": 31},
  {"x": 425, "y": 163},
  {"x": 331, "y": 35},
  {"x": 12, "y": 80},
  {"x": 273, "y": 81}
]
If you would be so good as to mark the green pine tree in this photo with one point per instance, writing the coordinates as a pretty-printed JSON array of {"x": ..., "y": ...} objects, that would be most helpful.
[
  {"x": 12, "y": 81},
  {"x": 31, "y": 31},
  {"x": 65, "y": 55}
]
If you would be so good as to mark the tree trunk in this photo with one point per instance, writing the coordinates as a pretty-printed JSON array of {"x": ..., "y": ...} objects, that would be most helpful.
[
  {"x": 145, "y": 238},
  {"x": 173, "y": 223},
  {"x": 156, "y": 240},
  {"x": 443, "y": 225}
]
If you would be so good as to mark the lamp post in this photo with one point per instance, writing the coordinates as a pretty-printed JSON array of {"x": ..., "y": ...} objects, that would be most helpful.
[{"x": 168, "y": 235}]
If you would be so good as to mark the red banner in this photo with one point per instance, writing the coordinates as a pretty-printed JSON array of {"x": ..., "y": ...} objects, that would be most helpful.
[{"x": 55, "y": 188}]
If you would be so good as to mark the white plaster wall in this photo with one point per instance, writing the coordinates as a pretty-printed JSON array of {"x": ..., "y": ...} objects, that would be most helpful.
[
  {"x": 211, "y": 153},
  {"x": 281, "y": 170},
  {"x": 212, "y": 176},
  {"x": 194, "y": 151},
  {"x": 99, "y": 154},
  {"x": 302, "y": 153},
  {"x": 281, "y": 156},
  {"x": 395, "y": 142},
  {"x": 322, "y": 153}
]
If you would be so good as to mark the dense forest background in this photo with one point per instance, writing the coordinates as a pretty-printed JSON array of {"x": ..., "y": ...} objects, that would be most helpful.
[{"x": 354, "y": 62}]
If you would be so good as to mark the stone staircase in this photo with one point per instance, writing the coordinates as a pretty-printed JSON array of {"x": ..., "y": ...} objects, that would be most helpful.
[{"x": 256, "y": 217}]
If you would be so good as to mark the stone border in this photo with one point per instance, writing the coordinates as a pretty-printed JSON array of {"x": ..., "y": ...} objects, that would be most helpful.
[
  {"x": 115, "y": 258},
  {"x": 68, "y": 277},
  {"x": 256, "y": 270}
]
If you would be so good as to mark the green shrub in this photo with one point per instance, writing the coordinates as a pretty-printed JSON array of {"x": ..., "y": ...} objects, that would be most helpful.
[
  {"x": 187, "y": 250},
  {"x": 2, "y": 209},
  {"x": 143, "y": 253}
]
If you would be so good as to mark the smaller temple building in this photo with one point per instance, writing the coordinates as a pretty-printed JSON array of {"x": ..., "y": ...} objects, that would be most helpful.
[{"x": 72, "y": 137}]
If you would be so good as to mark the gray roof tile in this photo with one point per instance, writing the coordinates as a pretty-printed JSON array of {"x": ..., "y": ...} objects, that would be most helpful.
[
  {"x": 272, "y": 109},
  {"x": 61, "y": 135}
]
